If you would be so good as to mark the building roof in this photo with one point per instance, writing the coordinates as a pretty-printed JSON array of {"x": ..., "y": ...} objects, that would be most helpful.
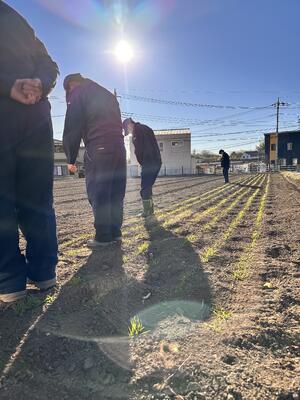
[
  {"x": 274, "y": 133},
  {"x": 251, "y": 152},
  {"x": 184, "y": 131}
]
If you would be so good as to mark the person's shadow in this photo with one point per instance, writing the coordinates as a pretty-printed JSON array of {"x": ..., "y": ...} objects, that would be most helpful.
[
  {"x": 179, "y": 290},
  {"x": 80, "y": 347}
]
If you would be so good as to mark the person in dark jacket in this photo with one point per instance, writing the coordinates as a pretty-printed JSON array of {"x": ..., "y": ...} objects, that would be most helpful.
[
  {"x": 27, "y": 75},
  {"x": 93, "y": 115},
  {"x": 148, "y": 156},
  {"x": 225, "y": 164}
]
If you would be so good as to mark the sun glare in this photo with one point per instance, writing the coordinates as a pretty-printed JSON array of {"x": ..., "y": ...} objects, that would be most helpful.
[{"x": 124, "y": 52}]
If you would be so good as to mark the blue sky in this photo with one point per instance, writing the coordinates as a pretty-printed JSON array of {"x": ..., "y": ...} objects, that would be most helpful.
[{"x": 232, "y": 53}]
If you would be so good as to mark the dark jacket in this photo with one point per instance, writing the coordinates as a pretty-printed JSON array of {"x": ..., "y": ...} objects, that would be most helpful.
[
  {"x": 145, "y": 145},
  {"x": 225, "y": 161},
  {"x": 22, "y": 55},
  {"x": 93, "y": 115}
]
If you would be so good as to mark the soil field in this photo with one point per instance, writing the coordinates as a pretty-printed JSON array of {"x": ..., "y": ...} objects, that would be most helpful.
[{"x": 211, "y": 284}]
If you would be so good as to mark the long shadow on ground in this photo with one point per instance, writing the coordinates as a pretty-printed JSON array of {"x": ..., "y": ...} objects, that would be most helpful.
[{"x": 80, "y": 349}]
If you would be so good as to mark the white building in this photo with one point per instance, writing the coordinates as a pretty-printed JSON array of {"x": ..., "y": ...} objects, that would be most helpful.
[
  {"x": 60, "y": 159},
  {"x": 175, "y": 150}
]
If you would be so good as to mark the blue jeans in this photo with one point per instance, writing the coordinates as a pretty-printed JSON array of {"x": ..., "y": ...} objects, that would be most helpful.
[
  {"x": 26, "y": 195},
  {"x": 105, "y": 175}
]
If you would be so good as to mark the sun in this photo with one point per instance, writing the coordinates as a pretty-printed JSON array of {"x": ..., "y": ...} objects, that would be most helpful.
[{"x": 124, "y": 52}]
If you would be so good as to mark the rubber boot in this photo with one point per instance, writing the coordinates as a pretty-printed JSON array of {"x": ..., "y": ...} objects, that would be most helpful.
[
  {"x": 147, "y": 208},
  {"x": 151, "y": 206}
]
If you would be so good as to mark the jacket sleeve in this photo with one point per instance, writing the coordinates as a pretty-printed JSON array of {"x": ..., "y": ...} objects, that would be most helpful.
[
  {"x": 139, "y": 147},
  {"x": 46, "y": 69},
  {"x": 74, "y": 126},
  {"x": 6, "y": 83}
]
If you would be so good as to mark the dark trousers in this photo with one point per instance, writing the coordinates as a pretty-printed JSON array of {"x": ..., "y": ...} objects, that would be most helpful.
[
  {"x": 225, "y": 174},
  {"x": 148, "y": 177},
  {"x": 105, "y": 172},
  {"x": 26, "y": 195}
]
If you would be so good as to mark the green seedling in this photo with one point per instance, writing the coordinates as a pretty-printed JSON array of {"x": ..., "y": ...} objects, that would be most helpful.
[
  {"x": 220, "y": 316},
  {"x": 49, "y": 299},
  {"x": 136, "y": 327},
  {"x": 143, "y": 248}
]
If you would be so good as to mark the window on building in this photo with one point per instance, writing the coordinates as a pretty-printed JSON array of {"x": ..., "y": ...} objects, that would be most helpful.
[
  {"x": 290, "y": 146},
  {"x": 177, "y": 143},
  {"x": 295, "y": 161},
  {"x": 161, "y": 146},
  {"x": 283, "y": 162},
  {"x": 273, "y": 147}
]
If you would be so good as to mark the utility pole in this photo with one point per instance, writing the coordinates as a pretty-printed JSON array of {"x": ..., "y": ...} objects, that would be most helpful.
[{"x": 277, "y": 105}]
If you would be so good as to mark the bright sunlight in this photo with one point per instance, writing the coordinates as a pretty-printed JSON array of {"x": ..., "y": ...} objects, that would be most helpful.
[{"x": 124, "y": 52}]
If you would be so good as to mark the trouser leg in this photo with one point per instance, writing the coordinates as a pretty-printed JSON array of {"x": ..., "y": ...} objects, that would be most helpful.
[
  {"x": 148, "y": 178},
  {"x": 118, "y": 192},
  {"x": 225, "y": 174},
  {"x": 34, "y": 187},
  {"x": 99, "y": 166},
  {"x": 12, "y": 263}
]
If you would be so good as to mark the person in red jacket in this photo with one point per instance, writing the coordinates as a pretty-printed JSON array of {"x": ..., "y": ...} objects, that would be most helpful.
[{"x": 148, "y": 156}]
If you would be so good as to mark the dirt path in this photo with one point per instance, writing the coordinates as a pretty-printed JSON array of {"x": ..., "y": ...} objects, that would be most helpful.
[{"x": 213, "y": 279}]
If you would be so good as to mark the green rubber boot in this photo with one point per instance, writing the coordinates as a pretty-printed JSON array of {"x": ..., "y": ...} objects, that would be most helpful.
[
  {"x": 151, "y": 206},
  {"x": 147, "y": 208}
]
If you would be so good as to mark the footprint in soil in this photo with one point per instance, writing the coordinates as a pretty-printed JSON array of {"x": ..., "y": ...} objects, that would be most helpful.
[
  {"x": 274, "y": 252},
  {"x": 274, "y": 233},
  {"x": 229, "y": 359}
]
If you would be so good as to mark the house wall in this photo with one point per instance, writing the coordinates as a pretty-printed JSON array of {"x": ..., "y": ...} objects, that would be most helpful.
[
  {"x": 289, "y": 157},
  {"x": 273, "y": 153},
  {"x": 175, "y": 153}
]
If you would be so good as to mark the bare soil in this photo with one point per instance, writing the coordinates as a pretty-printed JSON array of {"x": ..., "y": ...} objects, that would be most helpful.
[{"x": 213, "y": 278}]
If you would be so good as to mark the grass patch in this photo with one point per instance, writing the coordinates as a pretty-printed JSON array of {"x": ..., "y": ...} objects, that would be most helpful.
[
  {"x": 219, "y": 317},
  {"x": 136, "y": 327},
  {"x": 28, "y": 304}
]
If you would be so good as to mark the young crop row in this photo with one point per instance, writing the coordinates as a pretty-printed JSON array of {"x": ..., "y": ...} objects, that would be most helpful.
[
  {"x": 241, "y": 271},
  {"x": 211, "y": 250},
  {"x": 134, "y": 224}
]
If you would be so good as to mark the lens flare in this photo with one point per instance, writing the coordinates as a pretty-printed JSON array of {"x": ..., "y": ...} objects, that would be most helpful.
[{"x": 124, "y": 52}]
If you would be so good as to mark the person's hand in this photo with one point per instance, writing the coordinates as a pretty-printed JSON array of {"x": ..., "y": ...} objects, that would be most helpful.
[
  {"x": 72, "y": 168},
  {"x": 26, "y": 91},
  {"x": 16, "y": 93},
  {"x": 32, "y": 88}
]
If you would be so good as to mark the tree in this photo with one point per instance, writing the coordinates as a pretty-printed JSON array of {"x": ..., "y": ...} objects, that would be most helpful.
[{"x": 261, "y": 146}]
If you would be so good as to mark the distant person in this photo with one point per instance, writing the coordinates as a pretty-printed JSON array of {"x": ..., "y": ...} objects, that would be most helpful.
[
  {"x": 148, "y": 156},
  {"x": 93, "y": 115},
  {"x": 225, "y": 164},
  {"x": 27, "y": 75}
]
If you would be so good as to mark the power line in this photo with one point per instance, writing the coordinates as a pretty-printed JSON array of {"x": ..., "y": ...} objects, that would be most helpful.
[{"x": 185, "y": 104}]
